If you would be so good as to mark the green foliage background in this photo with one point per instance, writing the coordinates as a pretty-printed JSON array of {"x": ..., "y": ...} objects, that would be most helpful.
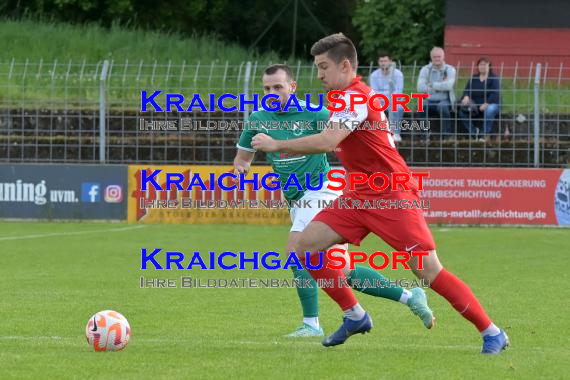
[{"x": 408, "y": 29}]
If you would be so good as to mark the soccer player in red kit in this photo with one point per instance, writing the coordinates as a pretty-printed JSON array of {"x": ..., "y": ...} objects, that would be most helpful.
[{"x": 369, "y": 151}]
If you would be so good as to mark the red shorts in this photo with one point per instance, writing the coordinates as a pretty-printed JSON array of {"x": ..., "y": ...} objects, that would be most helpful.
[{"x": 404, "y": 229}]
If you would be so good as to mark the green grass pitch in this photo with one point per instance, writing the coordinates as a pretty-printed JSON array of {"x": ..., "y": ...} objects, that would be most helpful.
[{"x": 53, "y": 277}]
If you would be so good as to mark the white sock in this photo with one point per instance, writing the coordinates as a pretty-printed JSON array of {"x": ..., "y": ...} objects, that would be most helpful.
[
  {"x": 492, "y": 330},
  {"x": 356, "y": 313},
  {"x": 313, "y": 322},
  {"x": 406, "y": 295}
]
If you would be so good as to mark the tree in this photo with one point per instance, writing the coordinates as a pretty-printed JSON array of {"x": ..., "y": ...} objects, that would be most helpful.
[
  {"x": 408, "y": 29},
  {"x": 230, "y": 20}
]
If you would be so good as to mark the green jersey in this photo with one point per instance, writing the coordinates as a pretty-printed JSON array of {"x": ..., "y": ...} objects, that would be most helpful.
[{"x": 284, "y": 126}]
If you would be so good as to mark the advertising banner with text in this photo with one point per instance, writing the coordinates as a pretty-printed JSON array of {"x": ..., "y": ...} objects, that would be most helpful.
[
  {"x": 455, "y": 195},
  {"x": 498, "y": 196},
  {"x": 208, "y": 206},
  {"x": 83, "y": 192}
]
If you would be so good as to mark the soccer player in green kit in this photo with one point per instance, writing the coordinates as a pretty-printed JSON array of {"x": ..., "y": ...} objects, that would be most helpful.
[{"x": 278, "y": 80}]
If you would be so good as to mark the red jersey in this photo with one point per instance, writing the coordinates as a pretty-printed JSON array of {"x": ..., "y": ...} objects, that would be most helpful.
[{"x": 370, "y": 148}]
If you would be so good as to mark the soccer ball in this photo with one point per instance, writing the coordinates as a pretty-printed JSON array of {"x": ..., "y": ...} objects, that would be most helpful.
[{"x": 108, "y": 331}]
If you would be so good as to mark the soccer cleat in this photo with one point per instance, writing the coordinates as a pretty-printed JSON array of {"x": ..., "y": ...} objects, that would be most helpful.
[
  {"x": 493, "y": 345},
  {"x": 306, "y": 331},
  {"x": 347, "y": 329},
  {"x": 419, "y": 306}
]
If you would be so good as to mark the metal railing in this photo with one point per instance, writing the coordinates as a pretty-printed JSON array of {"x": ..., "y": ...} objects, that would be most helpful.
[{"x": 90, "y": 112}]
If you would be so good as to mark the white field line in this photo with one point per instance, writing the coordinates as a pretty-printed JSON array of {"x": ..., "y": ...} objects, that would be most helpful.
[
  {"x": 284, "y": 342},
  {"x": 20, "y": 337},
  {"x": 39, "y": 236}
]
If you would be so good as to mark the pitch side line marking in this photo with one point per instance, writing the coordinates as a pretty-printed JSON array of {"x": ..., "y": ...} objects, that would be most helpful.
[
  {"x": 19, "y": 337},
  {"x": 39, "y": 236},
  {"x": 400, "y": 346},
  {"x": 285, "y": 342}
]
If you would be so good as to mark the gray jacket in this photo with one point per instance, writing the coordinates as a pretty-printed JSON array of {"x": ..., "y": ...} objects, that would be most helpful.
[
  {"x": 442, "y": 82},
  {"x": 393, "y": 83}
]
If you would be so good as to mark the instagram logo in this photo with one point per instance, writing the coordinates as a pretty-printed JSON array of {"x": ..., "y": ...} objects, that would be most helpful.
[{"x": 113, "y": 194}]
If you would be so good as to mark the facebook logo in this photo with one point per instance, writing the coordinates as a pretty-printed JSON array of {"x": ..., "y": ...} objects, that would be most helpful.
[{"x": 90, "y": 192}]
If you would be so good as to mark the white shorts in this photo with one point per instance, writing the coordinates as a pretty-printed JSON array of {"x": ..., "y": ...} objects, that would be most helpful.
[{"x": 302, "y": 216}]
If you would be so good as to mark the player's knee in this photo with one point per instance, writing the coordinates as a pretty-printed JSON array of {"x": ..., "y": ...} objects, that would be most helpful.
[
  {"x": 428, "y": 268},
  {"x": 425, "y": 274},
  {"x": 341, "y": 250}
]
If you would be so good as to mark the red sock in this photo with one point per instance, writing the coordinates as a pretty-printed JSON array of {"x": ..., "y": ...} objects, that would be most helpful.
[
  {"x": 458, "y": 294},
  {"x": 343, "y": 296}
]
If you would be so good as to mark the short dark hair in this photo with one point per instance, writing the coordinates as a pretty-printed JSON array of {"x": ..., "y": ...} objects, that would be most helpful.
[
  {"x": 338, "y": 47},
  {"x": 270, "y": 70},
  {"x": 384, "y": 53}
]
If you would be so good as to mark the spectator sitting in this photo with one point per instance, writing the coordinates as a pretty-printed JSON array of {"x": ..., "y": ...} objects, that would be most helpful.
[
  {"x": 480, "y": 98},
  {"x": 388, "y": 80},
  {"x": 437, "y": 79}
]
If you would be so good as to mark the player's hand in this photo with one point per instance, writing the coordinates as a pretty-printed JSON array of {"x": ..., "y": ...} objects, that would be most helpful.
[
  {"x": 465, "y": 100},
  {"x": 483, "y": 107},
  {"x": 264, "y": 143},
  {"x": 240, "y": 167}
]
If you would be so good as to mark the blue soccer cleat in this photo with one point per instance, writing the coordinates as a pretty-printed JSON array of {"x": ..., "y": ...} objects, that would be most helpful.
[
  {"x": 493, "y": 345},
  {"x": 347, "y": 329}
]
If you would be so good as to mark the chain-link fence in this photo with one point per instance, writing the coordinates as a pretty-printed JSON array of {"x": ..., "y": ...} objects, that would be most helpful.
[{"x": 52, "y": 112}]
